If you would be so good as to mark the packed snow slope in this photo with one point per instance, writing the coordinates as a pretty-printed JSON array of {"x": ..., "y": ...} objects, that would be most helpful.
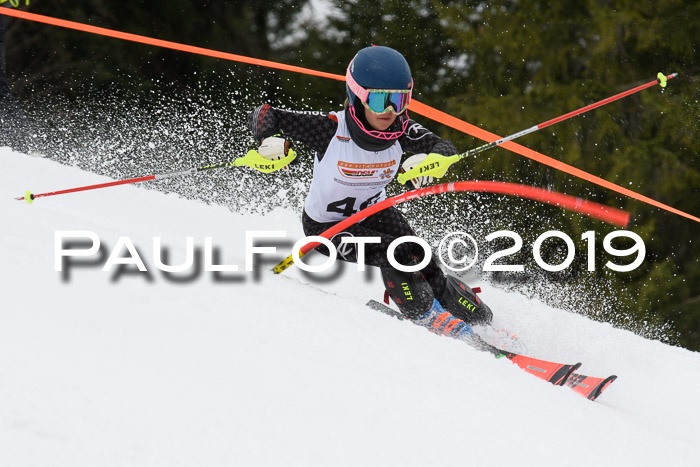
[{"x": 138, "y": 369}]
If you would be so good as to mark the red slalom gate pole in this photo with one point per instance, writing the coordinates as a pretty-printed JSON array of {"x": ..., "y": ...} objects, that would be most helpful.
[
  {"x": 598, "y": 211},
  {"x": 29, "y": 196}
]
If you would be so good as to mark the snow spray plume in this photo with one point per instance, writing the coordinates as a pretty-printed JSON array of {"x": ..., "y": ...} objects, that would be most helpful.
[
  {"x": 168, "y": 133},
  {"x": 415, "y": 106}
]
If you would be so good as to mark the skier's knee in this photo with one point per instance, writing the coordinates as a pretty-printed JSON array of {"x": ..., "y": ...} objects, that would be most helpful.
[
  {"x": 462, "y": 301},
  {"x": 411, "y": 293}
]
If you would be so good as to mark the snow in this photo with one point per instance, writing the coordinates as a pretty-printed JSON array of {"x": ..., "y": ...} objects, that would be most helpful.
[{"x": 137, "y": 369}]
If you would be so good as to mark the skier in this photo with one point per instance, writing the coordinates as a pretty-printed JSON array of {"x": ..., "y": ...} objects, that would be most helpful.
[{"x": 358, "y": 152}]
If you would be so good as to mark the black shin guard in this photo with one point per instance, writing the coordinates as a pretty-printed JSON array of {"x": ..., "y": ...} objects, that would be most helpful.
[
  {"x": 411, "y": 293},
  {"x": 460, "y": 300}
]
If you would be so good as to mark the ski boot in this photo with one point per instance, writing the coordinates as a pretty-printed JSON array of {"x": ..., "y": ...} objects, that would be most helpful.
[
  {"x": 462, "y": 301},
  {"x": 439, "y": 321},
  {"x": 414, "y": 297}
]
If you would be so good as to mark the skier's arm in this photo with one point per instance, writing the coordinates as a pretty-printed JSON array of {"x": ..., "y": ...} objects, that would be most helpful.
[
  {"x": 419, "y": 139},
  {"x": 312, "y": 129}
]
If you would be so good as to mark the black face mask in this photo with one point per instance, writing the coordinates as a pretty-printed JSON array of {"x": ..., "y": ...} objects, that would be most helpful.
[{"x": 365, "y": 141}]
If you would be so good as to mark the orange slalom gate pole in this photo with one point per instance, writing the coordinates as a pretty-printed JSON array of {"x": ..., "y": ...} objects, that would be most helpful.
[{"x": 165, "y": 44}]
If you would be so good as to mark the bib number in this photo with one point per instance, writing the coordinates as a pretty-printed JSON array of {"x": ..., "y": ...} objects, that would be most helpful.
[{"x": 346, "y": 206}]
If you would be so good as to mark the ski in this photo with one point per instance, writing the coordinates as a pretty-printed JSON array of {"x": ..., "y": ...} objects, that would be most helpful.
[
  {"x": 555, "y": 373},
  {"x": 589, "y": 386},
  {"x": 386, "y": 309},
  {"x": 559, "y": 374}
]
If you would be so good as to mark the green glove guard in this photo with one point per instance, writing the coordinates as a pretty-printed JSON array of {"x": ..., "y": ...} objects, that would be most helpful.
[
  {"x": 255, "y": 161},
  {"x": 435, "y": 165}
]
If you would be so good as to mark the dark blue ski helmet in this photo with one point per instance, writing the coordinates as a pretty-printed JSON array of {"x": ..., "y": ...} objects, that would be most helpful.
[{"x": 379, "y": 67}]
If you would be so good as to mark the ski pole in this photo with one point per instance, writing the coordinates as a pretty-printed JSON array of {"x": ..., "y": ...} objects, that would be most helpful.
[
  {"x": 437, "y": 165},
  {"x": 29, "y": 196},
  {"x": 251, "y": 159}
]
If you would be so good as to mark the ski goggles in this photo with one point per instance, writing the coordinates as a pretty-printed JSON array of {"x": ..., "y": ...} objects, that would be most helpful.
[{"x": 381, "y": 101}]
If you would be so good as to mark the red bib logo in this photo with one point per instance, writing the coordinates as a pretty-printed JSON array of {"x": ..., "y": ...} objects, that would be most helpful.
[{"x": 356, "y": 171}]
